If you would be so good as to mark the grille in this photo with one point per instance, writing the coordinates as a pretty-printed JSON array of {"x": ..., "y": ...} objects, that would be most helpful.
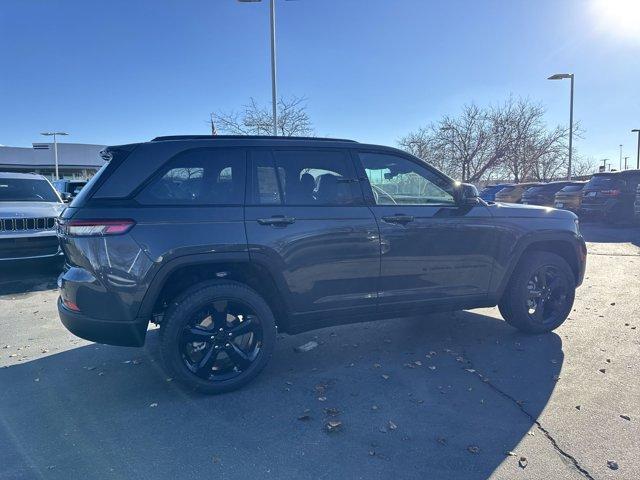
[{"x": 26, "y": 224}]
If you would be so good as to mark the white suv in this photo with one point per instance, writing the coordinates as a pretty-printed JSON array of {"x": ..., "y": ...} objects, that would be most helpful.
[{"x": 29, "y": 206}]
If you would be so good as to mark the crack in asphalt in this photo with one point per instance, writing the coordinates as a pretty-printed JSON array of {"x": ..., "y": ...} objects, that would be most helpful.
[{"x": 533, "y": 420}]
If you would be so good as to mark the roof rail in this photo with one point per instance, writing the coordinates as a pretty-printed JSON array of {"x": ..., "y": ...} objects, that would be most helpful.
[{"x": 246, "y": 137}]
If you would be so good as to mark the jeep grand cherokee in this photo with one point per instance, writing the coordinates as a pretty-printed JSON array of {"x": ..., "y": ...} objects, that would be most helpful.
[{"x": 221, "y": 239}]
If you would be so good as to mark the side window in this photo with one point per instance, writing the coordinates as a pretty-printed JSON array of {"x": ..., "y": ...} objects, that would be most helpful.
[
  {"x": 397, "y": 181},
  {"x": 266, "y": 190},
  {"x": 305, "y": 177},
  {"x": 199, "y": 177}
]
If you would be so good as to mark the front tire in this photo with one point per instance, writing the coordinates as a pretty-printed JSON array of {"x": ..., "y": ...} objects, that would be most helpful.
[
  {"x": 540, "y": 293},
  {"x": 217, "y": 337}
]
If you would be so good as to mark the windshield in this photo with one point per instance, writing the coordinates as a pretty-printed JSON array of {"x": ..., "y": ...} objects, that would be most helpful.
[
  {"x": 26, "y": 190},
  {"x": 572, "y": 188}
]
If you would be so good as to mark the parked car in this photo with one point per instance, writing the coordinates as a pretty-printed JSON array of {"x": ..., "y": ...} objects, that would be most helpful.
[
  {"x": 488, "y": 193},
  {"x": 570, "y": 197},
  {"x": 222, "y": 240},
  {"x": 544, "y": 194},
  {"x": 68, "y": 189},
  {"x": 29, "y": 206},
  {"x": 610, "y": 196},
  {"x": 513, "y": 193}
]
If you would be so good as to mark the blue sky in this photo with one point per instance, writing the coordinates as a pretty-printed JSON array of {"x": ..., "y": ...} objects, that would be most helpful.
[{"x": 124, "y": 71}]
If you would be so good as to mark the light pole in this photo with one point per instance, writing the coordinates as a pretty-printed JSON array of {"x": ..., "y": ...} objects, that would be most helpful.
[
  {"x": 55, "y": 147},
  {"x": 561, "y": 76},
  {"x": 274, "y": 86},
  {"x": 620, "y": 157},
  {"x": 638, "y": 154}
]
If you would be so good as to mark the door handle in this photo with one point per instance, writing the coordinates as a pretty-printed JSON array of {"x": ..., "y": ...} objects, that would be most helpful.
[
  {"x": 277, "y": 220},
  {"x": 401, "y": 219}
]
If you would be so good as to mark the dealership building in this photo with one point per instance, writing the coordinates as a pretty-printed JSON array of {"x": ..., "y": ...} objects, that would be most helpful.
[{"x": 77, "y": 161}]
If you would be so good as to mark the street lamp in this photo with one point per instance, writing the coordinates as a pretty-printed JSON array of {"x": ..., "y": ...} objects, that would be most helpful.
[
  {"x": 621, "y": 157},
  {"x": 562, "y": 76},
  {"x": 274, "y": 86},
  {"x": 638, "y": 154},
  {"x": 55, "y": 147}
]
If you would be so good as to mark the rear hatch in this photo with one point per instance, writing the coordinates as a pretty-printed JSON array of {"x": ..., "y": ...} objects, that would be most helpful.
[{"x": 601, "y": 189}]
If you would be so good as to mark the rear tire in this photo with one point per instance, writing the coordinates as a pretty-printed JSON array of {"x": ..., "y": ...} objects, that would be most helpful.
[
  {"x": 217, "y": 337},
  {"x": 540, "y": 293}
]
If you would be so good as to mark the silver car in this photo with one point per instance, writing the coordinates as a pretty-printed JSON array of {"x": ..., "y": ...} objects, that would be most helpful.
[{"x": 29, "y": 206}]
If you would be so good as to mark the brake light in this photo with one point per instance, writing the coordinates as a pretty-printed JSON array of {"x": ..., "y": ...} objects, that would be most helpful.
[
  {"x": 70, "y": 305},
  {"x": 610, "y": 193},
  {"x": 96, "y": 228}
]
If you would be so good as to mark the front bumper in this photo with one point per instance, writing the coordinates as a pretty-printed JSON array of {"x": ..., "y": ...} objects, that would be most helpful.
[
  {"x": 26, "y": 246},
  {"x": 125, "y": 334}
]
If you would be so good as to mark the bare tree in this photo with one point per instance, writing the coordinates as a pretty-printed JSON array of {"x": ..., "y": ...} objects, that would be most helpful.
[
  {"x": 256, "y": 119},
  {"x": 507, "y": 140},
  {"x": 584, "y": 166}
]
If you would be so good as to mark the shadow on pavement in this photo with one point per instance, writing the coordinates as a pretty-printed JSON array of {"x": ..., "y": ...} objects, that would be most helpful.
[
  {"x": 600, "y": 233},
  {"x": 107, "y": 412}
]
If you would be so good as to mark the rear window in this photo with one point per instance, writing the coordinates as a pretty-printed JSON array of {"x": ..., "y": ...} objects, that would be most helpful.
[
  {"x": 26, "y": 190},
  {"x": 534, "y": 190},
  {"x": 507, "y": 189},
  {"x": 199, "y": 177},
  {"x": 605, "y": 182}
]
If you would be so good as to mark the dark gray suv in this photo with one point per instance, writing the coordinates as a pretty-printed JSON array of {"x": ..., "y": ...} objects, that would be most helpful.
[{"x": 223, "y": 240}]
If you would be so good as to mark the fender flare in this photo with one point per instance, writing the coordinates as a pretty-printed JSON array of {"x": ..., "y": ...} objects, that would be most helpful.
[{"x": 574, "y": 240}]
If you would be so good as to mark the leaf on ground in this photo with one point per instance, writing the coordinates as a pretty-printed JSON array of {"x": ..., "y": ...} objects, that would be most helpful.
[
  {"x": 603, "y": 370},
  {"x": 304, "y": 418},
  {"x": 523, "y": 462},
  {"x": 377, "y": 365},
  {"x": 322, "y": 399},
  {"x": 333, "y": 425},
  {"x": 418, "y": 363},
  {"x": 153, "y": 405},
  {"x": 306, "y": 347},
  {"x": 510, "y": 453},
  {"x": 332, "y": 411},
  {"x": 612, "y": 465},
  {"x": 386, "y": 377},
  {"x": 392, "y": 426},
  {"x": 432, "y": 367},
  {"x": 626, "y": 417},
  {"x": 441, "y": 440},
  {"x": 473, "y": 449}
]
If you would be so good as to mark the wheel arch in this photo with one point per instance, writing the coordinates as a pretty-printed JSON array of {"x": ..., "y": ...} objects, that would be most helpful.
[
  {"x": 181, "y": 273},
  {"x": 567, "y": 245}
]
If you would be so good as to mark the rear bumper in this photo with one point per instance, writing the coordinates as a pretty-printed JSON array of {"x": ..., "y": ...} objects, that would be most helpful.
[{"x": 126, "y": 334}]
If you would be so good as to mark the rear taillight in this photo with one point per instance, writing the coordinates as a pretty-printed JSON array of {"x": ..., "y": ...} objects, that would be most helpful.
[
  {"x": 610, "y": 193},
  {"x": 96, "y": 228}
]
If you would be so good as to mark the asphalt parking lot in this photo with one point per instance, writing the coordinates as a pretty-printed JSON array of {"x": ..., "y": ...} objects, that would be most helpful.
[{"x": 458, "y": 395}]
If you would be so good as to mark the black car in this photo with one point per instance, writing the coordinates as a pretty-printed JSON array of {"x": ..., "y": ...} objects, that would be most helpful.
[
  {"x": 544, "y": 194},
  {"x": 610, "y": 196},
  {"x": 69, "y": 189},
  {"x": 223, "y": 240}
]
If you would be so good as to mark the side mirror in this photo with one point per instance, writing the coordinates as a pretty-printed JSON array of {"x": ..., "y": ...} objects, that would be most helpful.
[
  {"x": 468, "y": 195},
  {"x": 66, "y": 196}
]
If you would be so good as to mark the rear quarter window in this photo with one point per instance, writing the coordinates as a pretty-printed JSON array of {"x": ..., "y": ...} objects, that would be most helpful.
[{"x": 198, "y": 177}]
